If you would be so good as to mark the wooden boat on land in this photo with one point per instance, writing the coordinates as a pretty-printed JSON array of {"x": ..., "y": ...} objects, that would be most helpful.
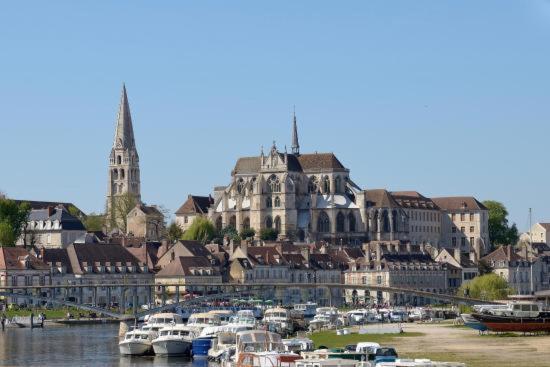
[{"x": 518, "y": 317}]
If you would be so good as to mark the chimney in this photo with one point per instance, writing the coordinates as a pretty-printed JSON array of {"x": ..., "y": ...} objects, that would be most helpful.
[
  {"x": 367, "y": 250},
  {"x": 305, "y": 253},
  {"x": 457, "y": 255},
  {"x": 509, "y": 252},
  {"x": 51, "y": 210}
]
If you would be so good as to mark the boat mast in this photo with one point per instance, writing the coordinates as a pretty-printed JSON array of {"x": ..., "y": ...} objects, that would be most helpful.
[{"x": 531, "y": 244}]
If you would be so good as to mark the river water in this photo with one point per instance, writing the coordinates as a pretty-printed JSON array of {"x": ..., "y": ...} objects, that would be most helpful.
[{"x": 90, "y": 345}]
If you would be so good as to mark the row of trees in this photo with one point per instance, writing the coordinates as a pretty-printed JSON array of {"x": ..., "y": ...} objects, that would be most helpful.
[{"x": 203, "y": 230}]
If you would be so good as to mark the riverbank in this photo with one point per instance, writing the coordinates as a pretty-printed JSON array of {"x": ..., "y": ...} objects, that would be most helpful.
[{"x": 442, "y": 342}]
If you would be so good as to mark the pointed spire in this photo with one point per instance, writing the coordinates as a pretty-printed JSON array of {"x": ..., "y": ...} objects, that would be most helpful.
[
  {"x": 124, "y": 133},
  {"x": 295, "y": 144}
]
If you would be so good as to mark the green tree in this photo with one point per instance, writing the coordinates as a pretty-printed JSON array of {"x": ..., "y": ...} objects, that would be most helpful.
[
  {"x": 247, "y": 233},
  {"x": 500, "y": 232},
  {"x": 174, "y": 232},
  {"x": 488, "y": 287},
  {"x": 13, "y": 220},
  {"x": 94, "y": 222},
  {"x": 269, "y": 234},
  {"x": 122, "y": 205},
  {"x": 231, "y": 233},
  {"x": 201, "y": 229}
]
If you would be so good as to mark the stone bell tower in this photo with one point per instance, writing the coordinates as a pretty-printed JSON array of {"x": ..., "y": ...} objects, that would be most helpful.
[{"x": 124, "y": 176}]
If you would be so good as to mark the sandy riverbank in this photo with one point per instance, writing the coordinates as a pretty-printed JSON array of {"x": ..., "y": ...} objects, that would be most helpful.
[{"x": 444, "y": 342}]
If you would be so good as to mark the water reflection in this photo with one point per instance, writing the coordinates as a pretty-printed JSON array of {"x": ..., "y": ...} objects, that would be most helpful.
[{"x": 95, "y": 345}]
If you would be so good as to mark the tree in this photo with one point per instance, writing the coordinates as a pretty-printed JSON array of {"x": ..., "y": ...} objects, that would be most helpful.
[
  {"x": 122, "y": 205},
  {"x": 13, "y": 220},
  {"x": 202, "y": 229},
  {"x": 500, "y": 232},
  {"x": 269, "y": 234},
  {"x": 247, "y": 233},
  {"x": 488, "y": 287},
  {"x": 174, "y": 232},
  {"x": 94, "y": 222},
  {"x": 231, "y": 233}
]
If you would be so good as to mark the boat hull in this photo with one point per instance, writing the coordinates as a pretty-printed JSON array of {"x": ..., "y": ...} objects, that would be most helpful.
[
  {"x": 134, "y": 348},
  {"x": 514, "y": 324},
  {"x": 172, "y": 347}
]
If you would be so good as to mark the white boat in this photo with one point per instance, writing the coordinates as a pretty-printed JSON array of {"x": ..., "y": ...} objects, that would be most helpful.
[
  {"x": 336, "y": 362},
  {"x": 161, "y": 320},
  {"x": 136, "y": 343},
  {"x": 224, "y": 315},
  {"x": 244, "y": 317},
  {"x": 199, "y": 321},
  {"x": 308, "y": 309},
  {"x": 298, "y": 345},
  {"x": 174, "y": 340},
  {"x": 279, "y": 320},
  {"x": 259, "y": 348}
]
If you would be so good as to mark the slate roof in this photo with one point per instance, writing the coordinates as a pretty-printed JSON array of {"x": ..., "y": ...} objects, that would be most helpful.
[
  {"x": 298, "y": 163},
  {"x": 183, "y": 265},
  {"x": 91, "y": 254},
  {"x": 459, "y": 203},
  {"x": 68, "y": 222},
  {"x": 196, "y": 205},
  {"x": 260, "y": 255},
  {"x": 12, "y": 258},
  {"x": 414, "y": 200},
  {"x": 150, "y": 210},
  {"x": 45, "y": 204},
  {"x": 381, "y": 198},
  {"x": 55, "y": 256},
  {"x": 196, "y": 248}
]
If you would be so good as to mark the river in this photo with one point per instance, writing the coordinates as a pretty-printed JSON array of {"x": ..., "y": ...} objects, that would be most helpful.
[{"x": 90, "y": 345}]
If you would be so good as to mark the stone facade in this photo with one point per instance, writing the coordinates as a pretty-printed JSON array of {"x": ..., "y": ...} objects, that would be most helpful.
[{"x": 146, "y": 222}]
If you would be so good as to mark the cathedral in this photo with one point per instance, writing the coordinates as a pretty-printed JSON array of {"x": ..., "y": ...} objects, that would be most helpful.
[{"x": 302, "y": 196}]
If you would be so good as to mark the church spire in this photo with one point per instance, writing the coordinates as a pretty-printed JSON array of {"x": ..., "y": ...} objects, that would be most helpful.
[
  {"x": 295, "y": 144},
  {"x": 124, "y": 133}
]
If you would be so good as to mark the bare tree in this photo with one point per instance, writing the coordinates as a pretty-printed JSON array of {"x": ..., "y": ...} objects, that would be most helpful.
[{"x": 122, "y": 205}]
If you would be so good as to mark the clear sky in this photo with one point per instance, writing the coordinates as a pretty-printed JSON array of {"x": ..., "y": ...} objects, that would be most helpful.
[{"x": 444, "y": 97}]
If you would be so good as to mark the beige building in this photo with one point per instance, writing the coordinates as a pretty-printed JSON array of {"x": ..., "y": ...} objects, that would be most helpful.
[
  {"x": 465, "y": 224},
  {"x": 539, "y": 233},
  {"x": 424, "y": 217},
  {"x": 52, "y": 227},
  {"x": 145, "y": 222},
  {"x": 19, "y": 268},
  {"x": 194, "y": 207}
]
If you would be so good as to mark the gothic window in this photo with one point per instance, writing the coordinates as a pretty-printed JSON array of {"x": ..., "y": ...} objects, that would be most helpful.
[
  {"x": 115, "y": 174},
  {"x": 122, "y": 173},
  {"x": 326, "y": 185},
  {"x": 246, "y": 223},
  {"x": 385, "y": 222},
  {"x": 351, "y": 221},
  {"x": 340, "y": 222},
  {"x": 240, "y": 186},
  {"x": 121, "y": 189},
  {"x": 268, "y": 202},
  {"x": 233, "y": 221},
  {"x": 394, "y": 220},
  {"x": 219, "y": 223},
  {"x": 273, "y": 184},
  {"x": 278, "y": 223},
  {"x": 277, "y": 203},
  {"x": 323, "y": 223},
  {"x": 375, "y": 222},
  {"x": 269, "y": 222},
  {"x": 119, "y": 160},
  {"x": 338, "y": 184},
  {"x": 312, "y": 185}
]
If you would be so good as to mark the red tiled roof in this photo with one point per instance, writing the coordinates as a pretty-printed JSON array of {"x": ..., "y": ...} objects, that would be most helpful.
[{"x": 459, "y": 203}]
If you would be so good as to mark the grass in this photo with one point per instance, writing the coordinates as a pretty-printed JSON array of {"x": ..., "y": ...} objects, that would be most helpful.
[
  {"x": 329, "y": 339},
  {"x": 469, "y": 360}
]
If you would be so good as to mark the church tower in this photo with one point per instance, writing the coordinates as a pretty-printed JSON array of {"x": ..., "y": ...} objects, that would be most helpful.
[
  {"x": 295, "y": 144},
  {"x": 123, "y": 160}
]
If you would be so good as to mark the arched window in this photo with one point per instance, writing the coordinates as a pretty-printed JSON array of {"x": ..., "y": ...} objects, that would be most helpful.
[
  {"x": 323, "y": 223},
  {"x": 326, "y": 185},
  {"x": 268, "y": 202},
  {"x": 338, "y": 185},
  {"x": 273, "y": 184},
  {"x": 375, "y": 222},
  {"x": 122, "y": 173},
  {"x": 233, "y": 221},
  {"x": 118, "y": 159},
  {"x": 312, "y": 185},
  {"x": 340, "y": 222},
  {"x": 219, "y": 224},
  {"x": 269, "y": 222},
  {"x": 351, "y": 221},
  {"x": 246, "y": 223},
  {"x": 115, "y": 174},
  {"x": 394, "y": 220},
  {"x": 121, "y": 188},
  {"x": 385, "y": 222},
  {"x": 240, "y": 186},
  {"x": 277, "y": 202},
  {"x": 278, "y": 223}
]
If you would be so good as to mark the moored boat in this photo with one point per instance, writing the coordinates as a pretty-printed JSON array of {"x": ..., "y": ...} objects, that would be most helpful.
[
  {"x": 517, "y": 317},
  {"x": 173, "y": 341},
  {"x": 136, "y": 342}
]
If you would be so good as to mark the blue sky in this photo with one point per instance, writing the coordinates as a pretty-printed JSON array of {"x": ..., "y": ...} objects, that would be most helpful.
[{"x": 442, "y": 97}]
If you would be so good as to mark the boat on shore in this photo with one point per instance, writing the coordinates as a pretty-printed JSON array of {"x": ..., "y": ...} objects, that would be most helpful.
[{"x": 523, "y": 317}]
